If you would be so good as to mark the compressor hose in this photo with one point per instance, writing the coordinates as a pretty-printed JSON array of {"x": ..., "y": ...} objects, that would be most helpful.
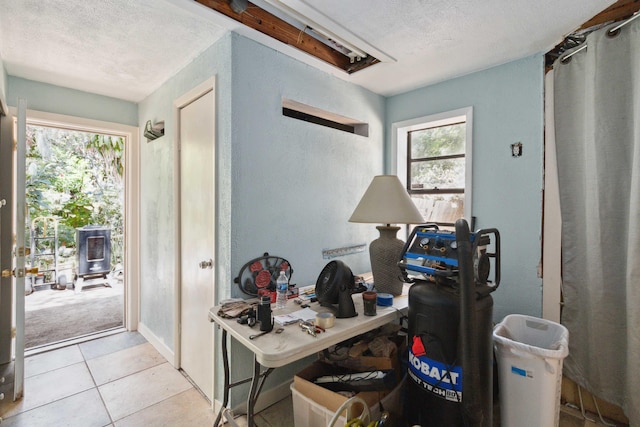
[{"x": 470, "y": 352}]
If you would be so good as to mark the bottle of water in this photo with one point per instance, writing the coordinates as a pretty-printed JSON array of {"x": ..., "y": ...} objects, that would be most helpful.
[{"x": 282, "y": 285}]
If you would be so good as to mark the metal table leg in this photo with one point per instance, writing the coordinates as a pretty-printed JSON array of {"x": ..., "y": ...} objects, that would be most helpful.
[
  {"x": 257, "y": 381},
  {"x": 225, "y": 363}
]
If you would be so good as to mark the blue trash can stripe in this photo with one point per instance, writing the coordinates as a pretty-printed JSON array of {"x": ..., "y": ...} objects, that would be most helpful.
[{"x": 518, "y": 371}]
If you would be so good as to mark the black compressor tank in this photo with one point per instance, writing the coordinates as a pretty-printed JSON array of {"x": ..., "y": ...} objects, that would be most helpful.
[{"x": 450, "y": 366}]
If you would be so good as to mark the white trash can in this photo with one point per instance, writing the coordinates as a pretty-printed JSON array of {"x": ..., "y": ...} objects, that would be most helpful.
[{"x": 530, "y": 352}]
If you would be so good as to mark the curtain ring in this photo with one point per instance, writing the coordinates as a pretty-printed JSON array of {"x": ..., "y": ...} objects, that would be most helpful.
[{"x": 614, "y": 33}]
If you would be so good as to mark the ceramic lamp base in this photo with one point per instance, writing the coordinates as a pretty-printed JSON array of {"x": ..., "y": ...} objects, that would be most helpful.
[{"x": 384, "y": 253}]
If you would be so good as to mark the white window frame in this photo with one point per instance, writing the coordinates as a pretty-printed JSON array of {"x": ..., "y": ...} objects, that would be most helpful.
[{"x": 400, "y": 132}]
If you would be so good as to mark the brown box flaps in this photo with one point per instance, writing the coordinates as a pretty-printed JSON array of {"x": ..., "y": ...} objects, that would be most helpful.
[{"x": 331, "y": 400}]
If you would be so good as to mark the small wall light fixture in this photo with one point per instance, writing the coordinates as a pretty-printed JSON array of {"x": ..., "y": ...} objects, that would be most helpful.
[{"x": 154, "y": 131}]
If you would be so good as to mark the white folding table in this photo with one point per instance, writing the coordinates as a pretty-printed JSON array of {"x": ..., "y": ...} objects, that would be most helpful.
[{"x": 273, "y": 350}]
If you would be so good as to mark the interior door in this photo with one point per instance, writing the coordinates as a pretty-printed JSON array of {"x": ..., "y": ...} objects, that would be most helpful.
[
  {"x": 12, "y": 256},
  {"x": 197, "y": 237},
  {"x": 6, "y": 260}
]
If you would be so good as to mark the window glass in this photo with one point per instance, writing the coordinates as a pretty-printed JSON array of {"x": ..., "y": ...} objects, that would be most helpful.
[
  {"x": 436, "y": 171},
  {"x": 438, "y": 141},
  {"x": 438, "y": 174}
]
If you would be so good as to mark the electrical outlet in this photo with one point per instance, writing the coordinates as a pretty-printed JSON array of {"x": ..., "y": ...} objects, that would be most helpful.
[{"x": 516, "y": 149}]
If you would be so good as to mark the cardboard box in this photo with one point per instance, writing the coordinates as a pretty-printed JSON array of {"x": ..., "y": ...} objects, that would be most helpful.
[
  {"x": 315, "y": 406},
  {"x": 303, "y": 382},
  {"x": 371, "y": 363}
]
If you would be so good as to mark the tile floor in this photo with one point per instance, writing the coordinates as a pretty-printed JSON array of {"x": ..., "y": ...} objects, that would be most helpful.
[
  {"x": 122, "y": 381},
  {"x": 116, "y": 381}
]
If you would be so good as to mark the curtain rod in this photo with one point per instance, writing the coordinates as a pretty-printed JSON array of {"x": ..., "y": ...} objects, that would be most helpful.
[{"x": 610, "y": 32}]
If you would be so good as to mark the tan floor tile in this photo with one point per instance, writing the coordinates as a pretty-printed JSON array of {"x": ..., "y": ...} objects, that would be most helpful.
[
  {"x": 44, "y": 362},
  {"x": 135, "y": 392},
  {"x": 80, "y": 410},
  {"x": 51, "y": 386},
  {"x": 110, "y": 344},
  {"x": 124, "y": 362},
  {"x": 239, "y": 421},
  {"x": 187, "y": 409},
  {"x": 277, "y": 415}
]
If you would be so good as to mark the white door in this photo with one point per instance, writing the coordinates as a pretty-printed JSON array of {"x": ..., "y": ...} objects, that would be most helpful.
[
  {"x": 197, "y": 236},
  {"x": 13, "y": 255}
]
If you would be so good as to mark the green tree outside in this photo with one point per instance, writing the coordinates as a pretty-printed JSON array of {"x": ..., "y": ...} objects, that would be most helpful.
[
  {"x": 76, "y": 177},
  {"x": 438, "y": 164}
]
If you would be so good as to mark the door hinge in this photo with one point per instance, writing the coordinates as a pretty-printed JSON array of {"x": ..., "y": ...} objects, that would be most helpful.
[
  {"x": 21, "y": 273},
  {"x": 21, "y": 252}
]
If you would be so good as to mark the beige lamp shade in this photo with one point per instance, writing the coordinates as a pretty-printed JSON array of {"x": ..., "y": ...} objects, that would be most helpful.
[{"x": 386, "y": 201}]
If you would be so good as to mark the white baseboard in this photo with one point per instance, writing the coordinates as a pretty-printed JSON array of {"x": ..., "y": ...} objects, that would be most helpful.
[{"x": 159, "y": 345}]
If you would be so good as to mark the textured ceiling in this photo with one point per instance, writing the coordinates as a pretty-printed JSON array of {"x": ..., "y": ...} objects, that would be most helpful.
[
  {"x": 127, "y": 49},
  {"x": 434, "y": 40},
  {"x": 120, "y": 48}
]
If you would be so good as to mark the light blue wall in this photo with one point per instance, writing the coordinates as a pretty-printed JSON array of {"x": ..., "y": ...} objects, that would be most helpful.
[
  {"x": 295, "y": 184},
  {"x": 60, "y": 100},
  {"x": 507, "y": 192},
  {"x": 284, "y": 186},
  {"x": 159, "y": 247},
  {"x": 287, "y": 187}
]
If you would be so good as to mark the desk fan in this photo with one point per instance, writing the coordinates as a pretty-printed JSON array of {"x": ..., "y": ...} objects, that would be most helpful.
[{"x": 335, "y": 286}]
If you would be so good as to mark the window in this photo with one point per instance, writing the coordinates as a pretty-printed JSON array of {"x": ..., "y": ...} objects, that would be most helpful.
[{"x": 434, "y": 154}]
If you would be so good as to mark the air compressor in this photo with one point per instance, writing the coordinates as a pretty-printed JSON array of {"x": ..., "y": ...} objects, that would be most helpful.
[{"x": 450, "y": 366}]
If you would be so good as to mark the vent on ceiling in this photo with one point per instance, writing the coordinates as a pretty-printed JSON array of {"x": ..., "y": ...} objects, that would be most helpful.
[
  {"x": 307, "y": 113},
  {"x": 300, "y": 25}
]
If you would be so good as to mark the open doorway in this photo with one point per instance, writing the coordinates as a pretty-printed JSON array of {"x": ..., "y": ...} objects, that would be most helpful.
[{"x": 75, "y": 193}]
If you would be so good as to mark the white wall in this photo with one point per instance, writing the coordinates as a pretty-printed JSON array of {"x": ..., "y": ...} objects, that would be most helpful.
[
  {"x": 3, "y": 84},
  {"x": 507, "y": 106}
]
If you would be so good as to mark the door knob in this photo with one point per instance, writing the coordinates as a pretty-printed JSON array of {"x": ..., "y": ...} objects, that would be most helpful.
[{"x": 206, "y": 264}]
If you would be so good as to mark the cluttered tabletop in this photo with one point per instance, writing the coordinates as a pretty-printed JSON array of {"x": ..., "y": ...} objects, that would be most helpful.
[{"x": 278, "y": 336}]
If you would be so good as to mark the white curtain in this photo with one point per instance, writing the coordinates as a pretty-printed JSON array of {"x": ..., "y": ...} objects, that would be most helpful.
[{"x": 597, "y": 122}]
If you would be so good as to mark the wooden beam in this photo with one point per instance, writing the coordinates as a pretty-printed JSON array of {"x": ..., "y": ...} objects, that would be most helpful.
[
  {"x": 269, "y": 24},
  {"x": 622, "y": 9},
  {"x": 619, "y": 11}
]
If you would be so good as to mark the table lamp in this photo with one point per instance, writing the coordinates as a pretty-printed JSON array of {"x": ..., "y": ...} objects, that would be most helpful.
[{"x": 387, "y": 202}]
